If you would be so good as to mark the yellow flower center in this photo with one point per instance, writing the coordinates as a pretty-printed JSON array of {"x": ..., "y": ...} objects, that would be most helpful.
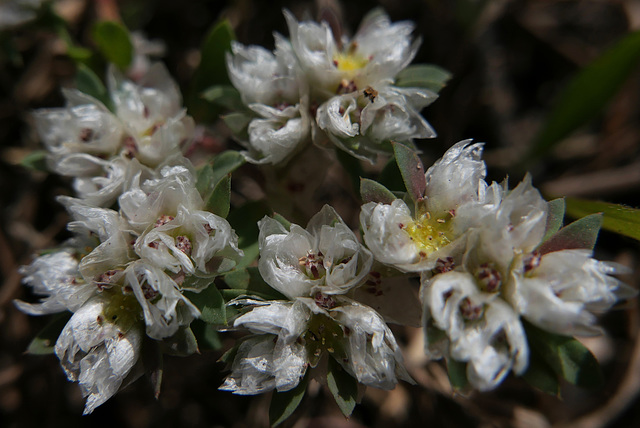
[
  {"x": 429, "y": 233},
  {"x": 123, "y": 309},
  {"x": 348, "y": 62}
]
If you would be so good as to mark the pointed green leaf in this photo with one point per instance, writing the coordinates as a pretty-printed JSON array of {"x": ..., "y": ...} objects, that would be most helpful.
[
  {"x": 244, "y": 221},
  {"x": 555, "y": 217},
  {"x": 204, "y": 180},
  {"x": 211, "y": 71},
  {"x": 210, "y": 303},
  {"x": 343, "y": 387},
  {"x": 567, "y": 357},
  {"x": 249, "y": 281},
  {"x": 588, "y": 92},
  {"x": 352, "y": 167},
  {"x": 113, "y": 42},
  {"x": 219, "y": 202},
  {"x": 372, "y": 191},
  {"x": 36, "y": 161},
  {"x": 541, "y": 376},
  {"x": 206, "y": 335},
  {"x": 225, "y": 163},
  {"x": 457, "y": 371},
  {"x": 90, "y": 84},
  {"x": 423, "y": 76},
  {"x": 412, "y": 171},
  {"x": 617, "y": 218},
  {"x": 225, "y": 96},
  {"x": 45, "y": 340},
  {"x": 182, "y": 344},
  {"x": 581, "y": 234},
  {"x": 283, "y": 221},
  {"x": 283, "y": 404},
  {"x": 390, "y": 176},
  {"x": 237, "y": 122}
]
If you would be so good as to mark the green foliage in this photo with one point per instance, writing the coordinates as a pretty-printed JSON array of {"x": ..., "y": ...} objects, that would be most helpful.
[
  {"x": 224, "y": 96},
  {"x": 219, "y": 202},
  {"x": 581, "y": 234},
  {"x": 412, "y": 171},
  {"x": 237, "y": 122},
  {"x": 45, "y": 340},
  {"x": 372, "y": 191},
  {"x": 283, "y": 404},
  {"x": 588, "y": 92},
  {"x": 36, "y": 161},
  {"x": 352, "y": 167},
  {"x": 206, "y": 335},
  {"x": 390, "y": 176},
  {"x": 343, "y": 387},
  {"x": 426, "y": 76},
  {"x": 555, "y": 217},
  {"x": 541, "y": 376},
  {"x": 567, "y": 357},
  {"x": 89, "y": 83},
  {"x": 211, "y": 71},
  {"x": 457, "y": 371},
  {"x": 183, "y": 343},
  {"x": 113, "y": 41},
  {"x": 210, "y": 303},
  {"x": 244, "y": 220},
  {"x": 617, "y": 218},
  {"x": 249, "y": 282}
]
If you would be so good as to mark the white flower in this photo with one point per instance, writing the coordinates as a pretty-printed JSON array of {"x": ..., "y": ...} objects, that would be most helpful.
[
  {"x": 165, "y": 308},
  {"x": 479, "y": 328},
  {"x": 455, "y": 200},
  {"x": 559, "y": 291},
  {"x": 99, "y": 346},
  {"x": 326, "y": 257},
  {"x": 377, "y": 52},
  {"x": 56, "y": 277}
]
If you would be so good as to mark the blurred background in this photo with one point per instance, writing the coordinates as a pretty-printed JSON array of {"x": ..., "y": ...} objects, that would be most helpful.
[{"x": 511, "y": 62}]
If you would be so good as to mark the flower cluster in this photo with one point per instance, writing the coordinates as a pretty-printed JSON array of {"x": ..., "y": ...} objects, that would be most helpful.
[
  {"x": 125, "y": 272},
  {"x": 317, "y": 87},
  {"x": 489, "y": 259},
  {"x": 479, "y": 266}
]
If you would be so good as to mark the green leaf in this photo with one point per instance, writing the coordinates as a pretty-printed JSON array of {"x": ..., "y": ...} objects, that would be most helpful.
[
  {"x": 225, "y": 96},
  {"x": 219, "y": 202},
  {"x": 423, "y": 76},
  {"x": 588, "y": 92},
  {"x": 45, "y": 340},
  {"x": 204, "y": 180},
  {"x": 391, "y": 178},
  {"x": 555, "y": 217},
  {"x": 541, "y": 376},
  {"x": 225, "y": 163},
  {"x": 36, "y": 161},
  {"x": 90, "y": 84},
  {"x": 412, "y": 171},
  {"x": 249, "y": 281},
  {"x": 244, "y": 221},
  {"x": 211, "y": 71},
  {"x": 206, "y": 335},
  {"x": 581, "y": 234},
  {"x": 283, "y": 404},
  {"x": 113, "y": 42},
  {"x": 372, "y": 191},
  {"x": 617, "y": 218},
  {"x": 182, "y": 344},
  {"x": 283, "y": 221},
  {"x": 457, "y": 371},
  {"x": 210, "y": 303},
  {"x": 237, "y": 122},
  {"x": 567, "y": 357},
  {"x": 352, "y": 167},
  {"x": 343, "y": 387}
]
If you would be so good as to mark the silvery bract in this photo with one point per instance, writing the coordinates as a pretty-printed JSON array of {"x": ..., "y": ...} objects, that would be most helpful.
[
  {"x": 455, "y": 199},
  {"x": 100, "y": 345},
  {"x": 337, "y": 90},
  {"x": 105, "y": 150},
  {"x": 313, "y": 268}
]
